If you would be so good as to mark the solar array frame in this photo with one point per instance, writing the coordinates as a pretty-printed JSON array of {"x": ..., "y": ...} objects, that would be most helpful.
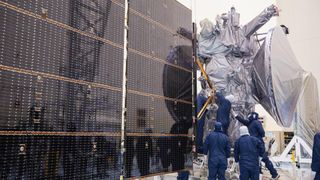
[{"x": 61, "y": 66}]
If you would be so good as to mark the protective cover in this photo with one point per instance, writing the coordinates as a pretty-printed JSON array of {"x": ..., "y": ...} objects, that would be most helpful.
[
  {"x": 283, "y": 88},
  {"x": 228, "y": 50},
  {"x": 278, "y": 77},
  {"x": 307, "y": 113},
  {"x": 269, "y": 75}
]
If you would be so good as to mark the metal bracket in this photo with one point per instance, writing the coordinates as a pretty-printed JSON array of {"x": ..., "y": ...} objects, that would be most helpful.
[
  {"x": 211, "y": 97},
  {"x": 44, "y": 13}
]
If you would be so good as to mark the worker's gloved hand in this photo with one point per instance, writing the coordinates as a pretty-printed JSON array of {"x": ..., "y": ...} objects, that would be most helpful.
[
  {"x": 208, "y": 92},
  {"x": 237, "y": 116},
  {"x": 234, "y": 113}
]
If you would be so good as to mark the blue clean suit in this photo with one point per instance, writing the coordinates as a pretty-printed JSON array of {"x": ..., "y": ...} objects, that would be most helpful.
[
  {"x": 218, "y": 146},
  {"x": 255, "y": 129},
  {"x": 201, "y": 100},
  {"x": 247, "y": 151},
  {"x": 315, "y": 165},
  {"x": 223, "y": 113},
  {"x": 254, "y": 126}
]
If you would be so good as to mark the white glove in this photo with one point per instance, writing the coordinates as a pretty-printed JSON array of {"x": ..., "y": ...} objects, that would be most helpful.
[{"x": 234, "y": 113}]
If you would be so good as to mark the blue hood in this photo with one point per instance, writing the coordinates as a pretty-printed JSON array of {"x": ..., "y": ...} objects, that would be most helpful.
[
  {"x": 253, "y": 116},
  {"x": 218, "y": 127}
]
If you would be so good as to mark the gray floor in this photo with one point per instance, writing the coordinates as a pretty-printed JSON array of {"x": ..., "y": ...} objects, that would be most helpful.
[{"x": 287, "y": 172}]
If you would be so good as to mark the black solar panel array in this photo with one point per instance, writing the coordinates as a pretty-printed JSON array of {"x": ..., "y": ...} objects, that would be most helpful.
[{"x": 61, "y": 68}]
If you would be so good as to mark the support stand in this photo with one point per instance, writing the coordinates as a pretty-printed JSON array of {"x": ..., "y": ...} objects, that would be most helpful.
[{"x": 298, "y": 157}]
